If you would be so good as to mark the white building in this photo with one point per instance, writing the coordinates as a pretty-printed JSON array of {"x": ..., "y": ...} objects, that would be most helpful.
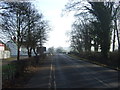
[
  {"x": 13, "y": 49},
  {"x": 2, "y": 47},
  {"x": 4, "y": 53}
]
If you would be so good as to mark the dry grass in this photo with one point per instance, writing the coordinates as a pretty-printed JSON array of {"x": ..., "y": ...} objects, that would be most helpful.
[
  {"x": 11, "y": 58},
  {"x": 25, "y": 76}
]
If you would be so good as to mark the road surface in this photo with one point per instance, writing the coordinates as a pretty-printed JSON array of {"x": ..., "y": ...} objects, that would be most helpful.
[{"x": 63, "y": 71}]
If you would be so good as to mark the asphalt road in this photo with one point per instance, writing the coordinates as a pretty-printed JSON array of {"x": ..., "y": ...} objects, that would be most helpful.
[{"x": 63, "y": 71}]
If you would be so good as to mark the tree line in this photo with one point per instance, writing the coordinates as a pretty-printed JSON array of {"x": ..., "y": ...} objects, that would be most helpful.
[
  {"x": 96, "y": 25},
  {"x": 24, "y": 25}
]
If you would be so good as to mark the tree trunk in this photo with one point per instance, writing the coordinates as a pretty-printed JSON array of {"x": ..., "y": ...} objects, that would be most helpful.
[
  {"x": 29, "y": 52},
  {"x": 35, "y": 52},
  {"x": 105, "y": 42},
  {"x": 117, "y": 35},
  {"x": 18, "y": 53},
  {"x": 28, "y": 49},
  {"x": 113, "y": 49},
  {"x": 95, "y": 46},
  {"x": 18, "y": 35}
]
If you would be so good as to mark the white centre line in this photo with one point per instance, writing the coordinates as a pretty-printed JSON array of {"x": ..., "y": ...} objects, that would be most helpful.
[{"x": 52, "y": 77}]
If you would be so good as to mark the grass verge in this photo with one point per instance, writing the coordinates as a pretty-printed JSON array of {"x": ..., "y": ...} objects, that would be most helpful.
[
  {"x": 94, "y": 62},
  {"x": 24, "y": 77}
]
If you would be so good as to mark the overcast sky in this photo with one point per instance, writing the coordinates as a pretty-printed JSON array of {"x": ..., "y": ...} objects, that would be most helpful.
[{"x": 52, "y": 10}]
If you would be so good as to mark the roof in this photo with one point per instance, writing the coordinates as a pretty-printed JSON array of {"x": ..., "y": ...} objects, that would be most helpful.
[{"x": 1, "y": 42}]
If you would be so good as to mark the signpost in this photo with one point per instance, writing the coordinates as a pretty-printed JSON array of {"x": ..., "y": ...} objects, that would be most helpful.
[{"x": 41, "y": 50}]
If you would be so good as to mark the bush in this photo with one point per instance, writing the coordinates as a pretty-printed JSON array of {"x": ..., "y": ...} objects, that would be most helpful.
[{"x": 114, "y": 58}]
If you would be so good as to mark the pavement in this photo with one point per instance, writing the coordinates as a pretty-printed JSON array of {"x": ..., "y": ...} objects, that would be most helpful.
[
  {"x": 62, "y": 71},
  {"x": 41, "y": 78}
]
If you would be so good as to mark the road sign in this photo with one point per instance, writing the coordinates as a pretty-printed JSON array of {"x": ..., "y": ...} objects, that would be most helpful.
[{"x": 41, "y": 50}]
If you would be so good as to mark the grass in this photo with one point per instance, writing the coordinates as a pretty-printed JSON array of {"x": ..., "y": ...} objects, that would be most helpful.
[
  {"x": 8, "y": 66},
  {"x": 24, "y": 77},
  {"x": 15, "y": 58},
  {"x": 21, "y": 80},
  {"x": 8, "y": 70},
  {"x": 11, "y": 58},
  {"x": 94, "y": 62}
]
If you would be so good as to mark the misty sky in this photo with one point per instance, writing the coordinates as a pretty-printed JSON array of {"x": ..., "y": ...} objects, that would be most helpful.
[{"x": 52, "y": 10}]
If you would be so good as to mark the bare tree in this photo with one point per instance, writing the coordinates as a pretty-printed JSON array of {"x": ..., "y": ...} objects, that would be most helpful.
[
  {"x": 51, "y": 50},
  {"x": 37, "y": 31},
  {"x": 102, "y": 13},
  {"x": 116, "y": 17},
  {"x": 13, "y": 23}
]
